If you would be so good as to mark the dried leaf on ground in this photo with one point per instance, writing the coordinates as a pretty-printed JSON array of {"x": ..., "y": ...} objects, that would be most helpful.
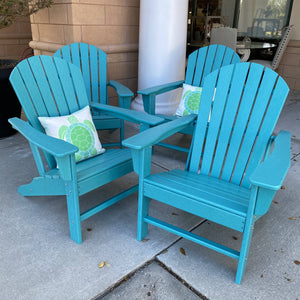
[
  {"x": 165, "y": 251},
  {"x": 297, "y": 262},
  {"x": 89, "y": 229},
  {"x": 182, "y": 251},
  {"x": 101, "y": 265},
  {"x": 262, "y": 275},
  {"x": 292, "y": 218},
  {"x": 145, "y": 240},
  {"x": 174, "y": 214},
  {"x": 283, "y": 187},
  {"x": 234, "y": 237},
  {"x": 276, "y": 202}
]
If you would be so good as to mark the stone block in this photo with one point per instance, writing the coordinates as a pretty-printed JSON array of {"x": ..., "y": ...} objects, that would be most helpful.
[
  {"x": 42, "y": 16},
  {"x": 132, "y": 35},
  {"x": 104, "y": 35},
  {"x": 85, "y": 14},
  {"x": 118, "y": 15},
  {"x": 51, "y": 33},
  {"x": 72, "y": 34},
  {"x": 118, "y": 57},
  {"x": 44, "y": 52},
  {"x": 131, "y": 83},
  {"x": 122, "y": 70},
  {"x": 37, "y": 52},
  {"x": 35, "y": 32},
  {"x": 126, "y": 3},
  {"x": 58, "y": 14}
]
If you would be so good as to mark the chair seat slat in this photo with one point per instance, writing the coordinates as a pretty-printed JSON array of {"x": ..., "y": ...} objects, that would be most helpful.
[{"x": 207, "y": 192}]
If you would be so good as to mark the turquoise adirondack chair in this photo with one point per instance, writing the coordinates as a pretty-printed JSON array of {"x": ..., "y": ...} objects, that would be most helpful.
[
  {"x": 48, "y": 86},
  {"x": 235, "y": 165},
  {"x": 200, "y": 63},
  {"x": 93, "y": 64}
]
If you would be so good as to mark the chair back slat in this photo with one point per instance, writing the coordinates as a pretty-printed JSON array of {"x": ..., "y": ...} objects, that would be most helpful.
[
  {"x": 230, "y": 57},
  {"x": 71, "y": 103},
  {"x": 215, "y": 121},
  {"x": 75, "y": 54},
  {"x": 199, "y": 66},
  {"x": 268, "y": 125},
  {"x": 239, "y": 108},
  {"x": 102, "y": 57},
  {"x": 42, "y": 84},
  {"x": 207, "y": 59},
  {"x": 191, "y": 67},
  {"x": 242, "y": 119},
  {"x": 254, "y": 124},
  {"x": 85, "y": 66},
  {"x": 55, "y": 84},
  {"x": 48, "y": 86},
  {"x": 232, "y": 106},
  {"x": 65, "y": 52},
  {"x": 36, "y": 97},
  {"x": 209, "y": 62},
  {"x": 199, "y": 136},
  {"x": 95, "y": 75},
  {"x": 92, "y": 62},
  {"x": 219, "y": 58},
  {"x": 25, "y": 96}
]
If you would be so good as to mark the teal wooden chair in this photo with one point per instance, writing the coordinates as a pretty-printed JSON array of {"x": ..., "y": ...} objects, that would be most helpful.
[
  {"x": 235, "y": 165},
  {"x": 50, "y": 87},
  {"x": 200, "y": 63},
  {"x": 93, "y": 64}
]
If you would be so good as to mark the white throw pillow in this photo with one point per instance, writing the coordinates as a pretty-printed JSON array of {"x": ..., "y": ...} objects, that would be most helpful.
[
  {"x": 77, "y": 129},
  {"x": 190, "y": 100}
]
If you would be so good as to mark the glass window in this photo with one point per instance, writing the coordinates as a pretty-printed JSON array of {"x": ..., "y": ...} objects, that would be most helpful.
[{"x": 263, "y": 18}]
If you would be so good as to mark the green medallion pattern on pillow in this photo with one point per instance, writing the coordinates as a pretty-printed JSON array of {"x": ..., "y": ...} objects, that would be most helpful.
[
  {"x": 77, "y": 129},
  {"x": 190, "y": 100}
]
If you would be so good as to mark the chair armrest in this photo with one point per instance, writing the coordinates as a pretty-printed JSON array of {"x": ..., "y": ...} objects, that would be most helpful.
[
  {"x": 55, "y": 147},
  {"x": 121, "y": 89},
  {"x": 124, "y": 93},
  {"x": 156, "y": 134},
  {"x": 126, "y": 114},
  {"x": 149, "y": 94},
  {"x": 160, "y": 89},
  {"x": 272, "y": 171}
]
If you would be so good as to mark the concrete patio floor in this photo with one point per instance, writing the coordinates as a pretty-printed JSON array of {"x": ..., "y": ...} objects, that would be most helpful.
[{"x": 38, "y": 260}]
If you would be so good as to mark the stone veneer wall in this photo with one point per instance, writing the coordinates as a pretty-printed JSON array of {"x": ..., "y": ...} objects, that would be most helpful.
[
  {"x": 112, "y": 25},
  {"x": 289, "y": 67},
  {"x": 15, "y": 39}
]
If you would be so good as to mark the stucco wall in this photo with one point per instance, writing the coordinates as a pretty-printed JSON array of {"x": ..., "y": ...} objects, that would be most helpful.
[
  {"x": 14, "y": 39},
  {"x": 112, "y": 25}
]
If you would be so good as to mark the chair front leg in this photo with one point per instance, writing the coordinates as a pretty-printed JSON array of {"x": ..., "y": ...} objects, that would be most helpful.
[
  {"x": 247, "y": 236},
  {"x": 74, "y": 212},
  {"x": 143, "y": 209}
]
